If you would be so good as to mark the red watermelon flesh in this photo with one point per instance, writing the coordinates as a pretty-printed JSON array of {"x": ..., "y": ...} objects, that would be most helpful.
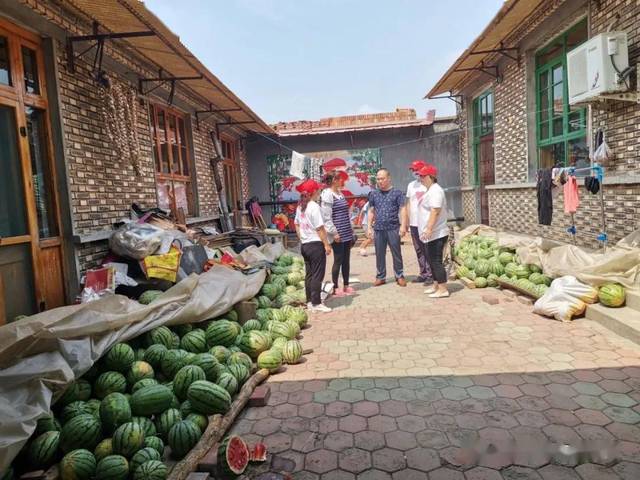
[
  {"x": 258, "y": 453},
  {"x": 236, "y": 455}
]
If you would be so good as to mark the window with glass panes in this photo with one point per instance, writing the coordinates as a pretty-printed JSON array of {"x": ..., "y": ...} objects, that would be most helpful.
[
  {"x": 172, "y": 160},
  {"x": 482, "y": 126},
  {"x": 230, "y": 173},
  {"x": 561, "y": 128}
]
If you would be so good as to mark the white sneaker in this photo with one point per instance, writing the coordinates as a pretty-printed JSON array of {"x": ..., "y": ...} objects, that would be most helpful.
[
  {"x": 363, "y": 252},
  {"x": 309, "y": 306},
  {"x": 430, "y": 290},
  {"x": 321, "y": 308},
  {"x": 439, "y": 295}
]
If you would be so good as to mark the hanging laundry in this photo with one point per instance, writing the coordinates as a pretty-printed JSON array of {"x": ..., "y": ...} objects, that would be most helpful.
[
  {"x": 545, "y": 198},
  {"x": 592, "y": 184},
  {"x": 297, "y": 165},
  {"x": 571, "y": 198}
]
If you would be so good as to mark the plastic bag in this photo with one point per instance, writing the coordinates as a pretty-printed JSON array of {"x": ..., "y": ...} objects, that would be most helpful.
[
  {"x": 163, "y": 267},
  {"x": 565, "y": 299},
  {"x": 136, "y": 240},
  {"x": 603, "y": 153}
]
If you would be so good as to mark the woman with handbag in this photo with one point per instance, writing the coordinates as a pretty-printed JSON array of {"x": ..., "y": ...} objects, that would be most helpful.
[{"x": 335, "y": 213}]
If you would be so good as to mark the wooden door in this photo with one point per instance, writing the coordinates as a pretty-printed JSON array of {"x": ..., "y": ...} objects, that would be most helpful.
[{"x": 487, "y": 175}]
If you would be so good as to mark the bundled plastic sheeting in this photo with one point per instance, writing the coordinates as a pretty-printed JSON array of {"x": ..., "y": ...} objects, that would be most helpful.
[
  {"x": 42, "y": 354},
  {"x": 136, "y": 240},
  {"x": 566, "y": 298}
]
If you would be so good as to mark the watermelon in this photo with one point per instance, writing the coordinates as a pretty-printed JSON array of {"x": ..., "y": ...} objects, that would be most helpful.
[
  {"x": 264, "y": 301},
  {"x": 534, "y": 268},
  {"x": 270, "y": 291},
  {"x": 119, "y": 358},
  {"x": 78, "y": 464},
  {"x": 103, "y": 449},
  {"x": 182, "y": 330},
  {"x": 149, "y": 296},
  {"x": 612, "y": 295},
  {"x": 254, "y": 342},
  {"x": 221, "y": 368},
  {"x": 47, "y": 423},
  {"x": 505, "y": 258},
  {"x": 73, "y": 410},
  {"x": 240, "y": 358},
  {"x": 240, "y": 371},
  {"x": 233, "y": 456},
  {"x": 207, "y": 363},
  {"x": 175, "y": 340},
  {"x": 482, "y": 268},
  {"x": 263, "y": 314},
  {"x": 495, "y": 267},
  {"x": 173, "y": 361},
  {"x": 258, "y": 453},
  {"x": 154, "y": 442},
  {"x": 71, "y": 394},
  {"x": 220, "y": 353},
  {"x": 139, "y": 370},
  {"x": 229, "y": 382},
  {"x": 42, "y": 451},
  {"x": 128, "y": 439},
  {"x": 232, "y": 315},
  {"x": 279, "y": 343},
  {"x": 154, "y": 355},
  {"x": 492, "y": 280},
  {"x": 150, "y": 400},
  {"x": 184, "y": 378},
  {"x": 480, "y": 282},
  {"x": 221, "y": 332},
  {"x": 83, "y": 390},
  {"x": 93, "y": 407},
  {"x": 522, "y": 271},
  {"x": 112, "y": 467},
  {"x": 470, "y": 263},
  {"x": 298, "y": 315},
  {"x": 294, "y": 278},
  {"x": 291, "y": 352},
  {"x": 142, "y": 456},
  {"x": 462, "y": 271},
  {"x": 151, "y": 470},
  {"x": 295, "y": 328},
  {"x": 114, "y": 411},
  {"x": 194, "y": 341},
  {"x": 82, "y": 431},
  {"x": 290, "y": 289},
  {"x": 471, "y": 275},
  {"x": 185, "y": 408},
  {"x": 182, "y": 437},
  {"x": 279, "y": 269},
  {"x": 145, "y": 382},
  {"x": 200, "y": 420},
  {"x": 252, "y": 325},
  {"x": 208, "y": 398},
  {"x": 281, "y": 329},
  {"x": 160, "y": 335},
  {"x": 147, "y": 425},
  {"x": 271, "y": 360},
  {"x": 110, "y": 382},
  {"x": 511, "y": 268},
  {"x": 166, "y": 420}
]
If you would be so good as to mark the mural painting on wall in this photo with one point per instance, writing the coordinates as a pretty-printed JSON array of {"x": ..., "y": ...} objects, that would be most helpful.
[{"x": 361, "y": 165}]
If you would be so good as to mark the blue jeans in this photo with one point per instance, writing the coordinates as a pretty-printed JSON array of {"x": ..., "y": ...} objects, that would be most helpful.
[{"x": 382, "y": 238}]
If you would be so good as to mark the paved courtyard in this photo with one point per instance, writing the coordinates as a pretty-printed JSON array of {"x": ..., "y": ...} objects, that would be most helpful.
[{"x": 405, "y": 387}]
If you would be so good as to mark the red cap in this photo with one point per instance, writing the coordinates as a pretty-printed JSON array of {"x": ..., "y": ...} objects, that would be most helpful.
[
  {"x": 308, "y": 186},
  {"x": 334, "y": 164},
  {"x": 343, "y": 175},
  {"x": 428, "y": 170},
  {"x": 416, "y": 165}
]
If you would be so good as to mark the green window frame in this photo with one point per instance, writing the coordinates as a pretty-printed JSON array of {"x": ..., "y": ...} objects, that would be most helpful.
[
  {"x": 482, "y": 125},
  {"x": 560, "y": 128}
]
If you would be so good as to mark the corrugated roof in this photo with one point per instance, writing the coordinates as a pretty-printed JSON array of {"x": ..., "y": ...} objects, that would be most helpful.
[
  {"x": 506, "y": 21},
  {"x": 167, "y": 52}
]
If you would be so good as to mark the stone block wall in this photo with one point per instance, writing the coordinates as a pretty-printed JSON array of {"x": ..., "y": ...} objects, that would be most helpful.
[{"x": 469, "y": 207}]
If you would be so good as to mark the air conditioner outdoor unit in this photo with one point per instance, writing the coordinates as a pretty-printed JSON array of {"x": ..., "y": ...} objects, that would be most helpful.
[{"x": 591, "y": 67}]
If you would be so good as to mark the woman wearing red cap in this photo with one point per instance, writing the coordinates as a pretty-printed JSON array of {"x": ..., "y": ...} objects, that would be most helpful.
[
  {"x": 314, "y": 243},
  {"x": 337, "y": 221},
  {"x": 432, "y": 219}
]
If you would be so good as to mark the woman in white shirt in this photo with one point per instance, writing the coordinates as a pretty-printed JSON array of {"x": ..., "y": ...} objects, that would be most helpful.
[
  {"x": 432, "y": 224},
  {"x": 314, "y": 243}
]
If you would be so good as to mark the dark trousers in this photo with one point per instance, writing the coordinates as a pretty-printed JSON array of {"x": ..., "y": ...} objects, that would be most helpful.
[
  {"x": 435, "y": 249},
  {"x": 382, "y": 238},
  {"x": 315, "y": 261},
  {"x": 341, "y": 260},
  {"x": 421, "y": 251}
]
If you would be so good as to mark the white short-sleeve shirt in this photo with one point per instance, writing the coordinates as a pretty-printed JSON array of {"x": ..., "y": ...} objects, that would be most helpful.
[
  {"x": 434, "y": 198},
  {"x": 415, "y": 191},
  {"x": 309, "y": 221}
]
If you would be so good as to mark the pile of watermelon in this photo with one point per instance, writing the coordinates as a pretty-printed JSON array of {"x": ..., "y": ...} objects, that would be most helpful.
[
  {"x": 481, "y": 260},
  {"x": 159, "y": 389},
  {"x": 286, "y": 283}
]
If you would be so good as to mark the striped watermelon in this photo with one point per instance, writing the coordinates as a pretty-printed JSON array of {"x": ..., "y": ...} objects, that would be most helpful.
[
  {"x": 175, "y": 340},
  {"x": 279, "y": 343},
  {"x": 220, "y": 353},
  {"x": 221, "y": 332},
  {"x": 208, "y": 398},
  {"x": 151, "y": 470},
  {"x": 194, "y": 341},
  {"x": 232, "y": 315},
  {"x": 160, "y": 335},
  {"x": 83, "y": 390},
  {"x": 142, "y": 456},
  {"x": 234, "y": 349},
  {"x": 207, "y": 362},
  {"x": 73, "y": 393},
  {"x": 278, "y": 315},
  {"x": 293, "y": 325},
  {"x": 239, "y": 371},
  {"x": 113, "y": 467},
  {"x": 145, "y": 382},
  {"x": 150, "y": 400},
  {"x": 264, "y": 301},
  {"x": 73, "y": 410},
  {"x": 182, "y": 330},
  {"x": 182, "y": 437},
  {"x": 114, "y": 411},
  {"x": 166, "y": 420},
  {"x": 81, "y": 431},
  {"x": 271, "y": 360},
  {"x": 119, "y": 358},
  {"x": 184, "y": 378},
  {"x": 110, "y": 382},
  {"x": 263, "y": 314},
  {"x": 140, "y": 353},
  {"x": 292, "y": 352},
  {"x": 93, "y": 407},
  {"x": 128, "y": 439},
  {"x": 281, "y": 329},
  {"x": 103, "y": 449},
  {"x": 147, "y": 425},
  {"x": 154, "y": 355},
  {"x": 43, "y": 450},
  {"x": 229, "y": 382},
  {"x": 200, "y": 420},
  {"x": 233, "y": 456},
  {"x": 155, "y": 443},
  {"x": 185, "y": 408},
  {"x": 78, "y": 464},
  {"x": 47, "y": 424},
  {"x": 251, "y": 325},
  {"x": 254, "y": 342},
  {"x": 173, "y": 361},
  {"x": 139, "y": 370},
  {"x": 240, "y": 358}
]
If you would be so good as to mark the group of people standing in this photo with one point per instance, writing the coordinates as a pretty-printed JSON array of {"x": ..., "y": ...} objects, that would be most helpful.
[{"x": 323, "y": 225}]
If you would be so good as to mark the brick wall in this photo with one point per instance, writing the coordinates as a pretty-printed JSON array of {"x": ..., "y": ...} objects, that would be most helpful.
[
  {"x": 244, "y": 171},
  {"x": 463, "y": 124},
  {"x": 205, "y": 184},
  {"x": 469, "y": 207}
]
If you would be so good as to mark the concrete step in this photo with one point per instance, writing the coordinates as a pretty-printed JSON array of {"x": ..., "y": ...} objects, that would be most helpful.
[
  {"x": 624, "y": 321},
  {"x": 633, "y": 300}
]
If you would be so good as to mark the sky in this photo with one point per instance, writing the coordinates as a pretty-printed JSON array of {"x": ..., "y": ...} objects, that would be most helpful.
[{"x": 309, "y": 59}]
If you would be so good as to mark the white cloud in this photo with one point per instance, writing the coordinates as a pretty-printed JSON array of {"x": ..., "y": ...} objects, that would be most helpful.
[{"x": 366, "y": 108}]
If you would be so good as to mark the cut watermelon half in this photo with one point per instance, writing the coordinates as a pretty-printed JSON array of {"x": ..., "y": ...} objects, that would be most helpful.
[
  {"x": 233, "y": 456},
  {"x": 258, "y": 453}
]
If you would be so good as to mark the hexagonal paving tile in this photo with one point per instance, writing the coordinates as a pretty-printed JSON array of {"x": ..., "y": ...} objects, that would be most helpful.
[
  {"x": 300, "y": 397},
  {"x": 368, "y": 440},
  {"x": 338, "y": 441},
  {"x": 266, "y": 426},
  {"x": 339, "y": 384},
  {"x": 622, "y": 415},
  {"x": 338, "y": 475},
  {"x": 278, "y": 442},
  {"x": 401, "y": 440},
  {"x": 285, "y": 410},
  {"x": 306, "y": 442},
  {"x": 411, "y": 423},
  {"x": 562, "y": 417},
  {"x": 558, "y": 472},
  {"x": 590, "y": 471},
  {"x": 351, "y": 395},
  {"x": 587, "y": 388},
  {"x": 374, "y": 475},
  {"x": 515, "y": 472},
  {"x": 352, "y": 423},
  {"x": 363, "y": 383},
  {"x": 388, "y": 460},
  {"x": 393, "y": 408},
  {"x": 454, "y": 393},
  {"x": 482, "y": 473},
  {"x": 618, "y": 399},
  {"x": 377, "y": 394},
  {"x": 321, "y": 461},
  {"x": 445, "y": 474},
  {"x": 408, "y": 474},
  {"x": 428, "y": 393},
  {"x": 311, "y": 410},
  {"x": 473, "y": 421},
  {"x": 403, "y": 394},
  {"x": 354, "y": 460},
  {"x": 382, "y": 423},
  {"x": 366, "y": 408},
  {"x": 337, "y": 409},
  {"x": 325, "y": 396},
  {"x": 432, "y": 439},
  {"x": 423, "y": 459}
]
